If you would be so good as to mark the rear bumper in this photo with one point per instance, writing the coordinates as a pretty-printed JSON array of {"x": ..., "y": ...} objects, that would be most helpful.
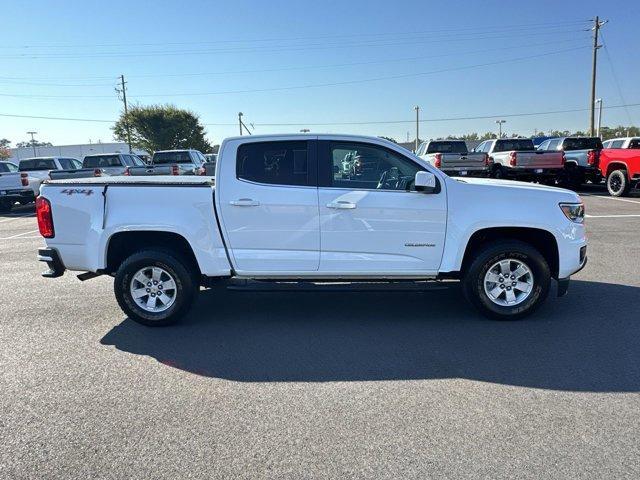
[
  {"x": 467, "y": 171},
  {"x": 18, "y": 194},
  {"x": 52, "y": 258},
  {"x": 534, "y": 172}
]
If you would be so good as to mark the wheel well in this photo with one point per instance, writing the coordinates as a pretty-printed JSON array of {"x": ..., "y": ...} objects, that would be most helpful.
[
  {"x": 615, "y": 166},
  {"x": 541, "y": 240},
  {"x": 124, "y": 244}
]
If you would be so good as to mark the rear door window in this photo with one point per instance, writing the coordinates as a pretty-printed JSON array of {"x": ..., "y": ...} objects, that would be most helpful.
[
  {"x": 519, "y": 145},
  {"x": 279, "y": 163},
  {"x": 7, "y": 167},
  {"x": 634, "y": 143},
  {"x": 66, "y": 164},
  {"x": 35, "y": 164},
  {"x": 102, "y": 161},
  {"x": 590, "y": 143},
  {"x": 617, "y": 144},
  {"x": 163, "y": 158}
]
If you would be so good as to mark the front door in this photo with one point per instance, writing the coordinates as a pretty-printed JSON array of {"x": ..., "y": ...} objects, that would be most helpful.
[
  {"x": 269, "y": 206},
  {"x": 372, "y": 220}
]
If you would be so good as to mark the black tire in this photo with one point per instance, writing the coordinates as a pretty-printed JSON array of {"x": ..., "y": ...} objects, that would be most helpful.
[
  {"x": 474, "y": 278},
  {"x": 181, "y": 270},
  {"x": 618, "y": 184},
  {"x": 5, "y": 206},
  {"x": 498, "y": 173}
]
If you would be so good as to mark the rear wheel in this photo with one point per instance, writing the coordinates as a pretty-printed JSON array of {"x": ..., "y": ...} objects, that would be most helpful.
[
  {"x": 498, "y": 172},
  {"x": 618, "y": 184},
  {"x": 155, "y": 288},
  {"x": 507, "y": 280}
]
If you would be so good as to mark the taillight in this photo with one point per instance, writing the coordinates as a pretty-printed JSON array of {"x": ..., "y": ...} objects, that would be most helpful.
[
  {"x": 202, "y": 171},
  {"x": 438, "y": 161},
  {"x": 45, "y": 218},
  {"x": 24, "y": 179},
  {"x": 175, "y": 170},
  {"x": 127, "y": 172},
  {"x": 564, "y": 158},
  {"x": 487, "y": 160},
  {"x": 513, "y": 159},
  {"x": 97, "y": 172},
  {"x": 593, "y": 157}
]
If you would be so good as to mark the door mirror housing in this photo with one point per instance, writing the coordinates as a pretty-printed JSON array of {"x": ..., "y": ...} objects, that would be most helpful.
[{"x": 426, "y": 182}]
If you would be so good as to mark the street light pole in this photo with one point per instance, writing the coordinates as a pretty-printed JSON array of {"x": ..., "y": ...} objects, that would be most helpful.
[
  {"x": 33, "y": 143},
  {"x": 599, "y": 102},
  {"x": 417, "y": 109},
  {"x": 500, "y": 122}
]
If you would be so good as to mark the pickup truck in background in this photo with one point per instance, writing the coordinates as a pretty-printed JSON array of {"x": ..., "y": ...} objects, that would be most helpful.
[
  {"x": 281, "y": 210},
  {"x": 517, "y": 158},
  {"x": 581, "y": 158},
  {"x": 621, "y": 169},
  {"x": 38, "y": 168},
  {"x": 453, "y": 158},
  {"x": 626, "y": 142},
  {"x": 172, "y": 162},
  {"x": 99, "y": 165},
  {"x": 14, "y": 187}
]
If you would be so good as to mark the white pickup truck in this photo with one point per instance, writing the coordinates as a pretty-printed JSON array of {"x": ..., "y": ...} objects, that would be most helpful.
[
  {"x": 518, "y": 158},
  {"x": 281, "y": 210},
  {"x": 40, "y": 168},
  {"x": 14, "y": 187}
]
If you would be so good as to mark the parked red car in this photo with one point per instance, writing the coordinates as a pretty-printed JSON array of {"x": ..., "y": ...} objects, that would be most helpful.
[{"x": 621, "y": 168}]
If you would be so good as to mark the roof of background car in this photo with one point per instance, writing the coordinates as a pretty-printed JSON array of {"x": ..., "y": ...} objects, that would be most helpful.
[
  {"x": 105, "y": 154},
  {"x": 176, "y": 150},
  {"x": 39, "y": 158}
]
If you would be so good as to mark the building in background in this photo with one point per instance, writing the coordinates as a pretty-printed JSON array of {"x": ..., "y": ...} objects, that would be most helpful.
[{"x": 73, "y": 151}]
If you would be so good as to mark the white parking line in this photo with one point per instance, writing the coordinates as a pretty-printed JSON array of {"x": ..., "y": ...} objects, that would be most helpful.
[
  {"x": 17, "y": 216},
  {"x": 19, "y": 235},
  {"x": 612, "y": 216},
  {"x": 611, "y": 198}
]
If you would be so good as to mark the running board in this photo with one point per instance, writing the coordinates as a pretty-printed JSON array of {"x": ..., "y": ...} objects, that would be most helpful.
[{"x": 333, "y": 286}]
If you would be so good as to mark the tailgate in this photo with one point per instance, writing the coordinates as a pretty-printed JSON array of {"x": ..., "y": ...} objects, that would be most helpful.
[
  {"x": 468, "y": 160},
  {"x": 540, "y": 159},
  {"x": 149, "y": 170},
  {"x": 10, "y": 181},
  {"x": 78, "y": 173}
]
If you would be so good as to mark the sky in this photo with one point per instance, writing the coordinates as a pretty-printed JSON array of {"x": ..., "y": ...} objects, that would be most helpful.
[{"x": 345, "y": 66}]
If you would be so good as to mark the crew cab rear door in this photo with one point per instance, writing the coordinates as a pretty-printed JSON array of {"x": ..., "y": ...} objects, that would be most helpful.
[
  {"x": 267, "y": 200},
  {"x": 373, "y": 223}
]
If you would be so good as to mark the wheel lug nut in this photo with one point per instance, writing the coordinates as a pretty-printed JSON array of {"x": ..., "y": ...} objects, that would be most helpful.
[
  {"x": 153, "y": 294},
  {"x": 501, "y": 286},
  {"x": 155, "y": 282},
  {"x": 508, "y": 288},
  {"x": 148, "y": 290},
  {"x": 149, "y": 284}
]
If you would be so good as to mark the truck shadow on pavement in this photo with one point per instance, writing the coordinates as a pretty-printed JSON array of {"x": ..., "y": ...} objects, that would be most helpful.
[{"x": 586, "y": 341}]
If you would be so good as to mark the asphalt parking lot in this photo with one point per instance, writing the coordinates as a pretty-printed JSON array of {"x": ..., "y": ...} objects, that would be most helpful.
[{"x": 334, "y": 384}]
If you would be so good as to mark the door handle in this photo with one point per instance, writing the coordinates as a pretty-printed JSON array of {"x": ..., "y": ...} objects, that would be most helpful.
[
  {"x": 341, "y": 204},
  {"x": 245, "y": 202}
]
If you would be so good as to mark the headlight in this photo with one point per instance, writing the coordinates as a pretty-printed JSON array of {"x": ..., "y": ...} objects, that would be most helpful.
[{"x": 573, "y": 211}]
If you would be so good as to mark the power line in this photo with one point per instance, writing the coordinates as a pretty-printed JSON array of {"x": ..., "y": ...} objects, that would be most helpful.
[
  {"x": 429, "y": 39},
  {"x": 482, "y": 28},
  {"x": 378, "y": 122},
  {"x": 615, "y": 77},
  {"x": 18, "y": 80},
  {"x": 302, "y": 87}
]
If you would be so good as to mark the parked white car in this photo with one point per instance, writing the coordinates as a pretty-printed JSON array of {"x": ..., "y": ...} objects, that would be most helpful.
[
  {"x": 625, "y": 142},
  {"x": 38, "y": 168},
  {"x": 281, "y": 209},
  {"x": 14, "y": 187}
]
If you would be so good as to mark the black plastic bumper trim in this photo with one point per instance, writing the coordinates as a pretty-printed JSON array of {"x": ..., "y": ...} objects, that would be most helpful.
[{"x": 52, "y": 258}]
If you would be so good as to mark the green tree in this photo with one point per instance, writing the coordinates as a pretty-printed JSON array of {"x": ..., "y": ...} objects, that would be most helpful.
[
  {"x": 33, "y": 143},
  {"x": 161, "y": 127}
]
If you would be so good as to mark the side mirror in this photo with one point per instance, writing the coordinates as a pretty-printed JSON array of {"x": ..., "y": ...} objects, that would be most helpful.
[{"x": 425, "y": 182}]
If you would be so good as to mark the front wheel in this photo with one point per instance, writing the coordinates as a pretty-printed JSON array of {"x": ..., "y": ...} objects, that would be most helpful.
[
  {"x": 618, "y": 184},
  {"x": 507, "y": 280},
  {"x": 155, "y": 288},
  {"x": 5, "y": 205}
]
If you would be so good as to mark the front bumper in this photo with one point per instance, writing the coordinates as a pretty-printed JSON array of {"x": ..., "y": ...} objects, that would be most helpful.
[
  {"x": 52, "y": 258},
  {"x": 563, "y": 283}
]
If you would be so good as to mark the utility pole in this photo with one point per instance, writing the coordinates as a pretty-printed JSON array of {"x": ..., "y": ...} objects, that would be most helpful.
[
  {"x": 500, "y": 122},
  {"x": 417, "y": 109},
  {"x": 33, "y": 143},
  {"x": 240, "y": 121},
  {"x": 596, "y": 29},
  {"x": 123, "y": 90}
]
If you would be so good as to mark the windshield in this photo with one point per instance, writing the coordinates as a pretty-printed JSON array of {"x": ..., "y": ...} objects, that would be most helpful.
[
  {"x": 447, "y": 147},
  {"x": 161, "y": 158},
  {"x": 519, "y": 145},
  {"x": 101, "y": 161},
  {"x": 592, "y": 143},
  {"x": 35, "y": 164}
]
